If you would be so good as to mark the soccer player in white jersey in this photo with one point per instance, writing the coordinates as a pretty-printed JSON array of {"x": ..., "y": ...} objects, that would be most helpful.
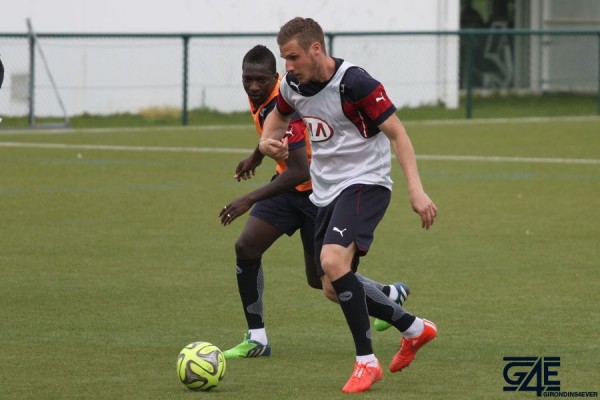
[
  {"x": 281, "y": 206},
  {"x": 352, "y": 123}
]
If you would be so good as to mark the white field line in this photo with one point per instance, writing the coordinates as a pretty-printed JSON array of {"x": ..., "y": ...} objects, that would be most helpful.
[
  {"x": 225, "y": 150},
  {"x": 526, "y": 160},
  {"x": 481, "y": 121},
  {"x": 157, "y": 149},
  {"x": 59, "y": 131},
  {"x": 496, "y": 121}
]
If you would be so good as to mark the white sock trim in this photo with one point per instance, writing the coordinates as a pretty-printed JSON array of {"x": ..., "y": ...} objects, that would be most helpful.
[
  {"x": 415, "y": 329},
  {"x": 394, "y": 294},
  {"x": 259, "y": 335},
  {"x": 369, "y": 358}
]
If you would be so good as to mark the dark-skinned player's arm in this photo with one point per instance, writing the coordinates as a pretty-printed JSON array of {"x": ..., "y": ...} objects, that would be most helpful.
[
  {"x": 297, "y": 172},
  {"x": 246, "y": 168}
]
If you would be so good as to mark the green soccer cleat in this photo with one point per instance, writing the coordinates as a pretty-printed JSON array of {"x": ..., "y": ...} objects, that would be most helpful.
[
  {"x": 247, "y": 349},
  {"x": 403, "y": 292}
]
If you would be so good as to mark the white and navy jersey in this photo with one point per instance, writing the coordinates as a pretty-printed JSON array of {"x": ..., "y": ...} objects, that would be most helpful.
[{"x": 342, "y": 116}]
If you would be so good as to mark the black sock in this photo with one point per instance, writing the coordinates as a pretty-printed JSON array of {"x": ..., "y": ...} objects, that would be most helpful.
[
  {"x": 382, "y": 307},
  {"x": 250, "y": 285},
  {"x": 351, "y": 294},
  {"x": 386, "y": 290}
]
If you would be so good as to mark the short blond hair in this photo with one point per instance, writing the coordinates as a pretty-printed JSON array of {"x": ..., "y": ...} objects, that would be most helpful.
[{"x": 305, "y": 30}]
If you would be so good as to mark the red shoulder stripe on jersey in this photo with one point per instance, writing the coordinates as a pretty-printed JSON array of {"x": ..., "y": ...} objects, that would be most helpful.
[
  {"x": 295, "y": 131},
  {"x": 282, "y": 106},
  {"x": 376, "y": 105}
]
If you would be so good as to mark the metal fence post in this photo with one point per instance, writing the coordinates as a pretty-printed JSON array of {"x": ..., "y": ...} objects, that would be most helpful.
[
  {"x": 330, "y": 43},
  {"x": 31, "y": 79},
  {"x": 598, "y": 74},
  {"x": 184, "y": 111},
  {"x": 469, "y": 76}
]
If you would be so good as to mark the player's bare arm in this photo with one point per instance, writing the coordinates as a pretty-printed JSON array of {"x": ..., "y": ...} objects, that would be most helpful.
[
  {"x": 247, "y": 167},
  {"x": 297, "y": 172},
  {"x": 405, "y": 155},
  {"x": 272, "y": 142}
]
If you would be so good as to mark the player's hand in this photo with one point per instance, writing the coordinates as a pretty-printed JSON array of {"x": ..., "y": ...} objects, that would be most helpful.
[
  {"x": 277, "y": 149},
  {"x": 247, "y": 168},
  {"x": 424, "y": 206},
  {"x": 233, "y": 210}
]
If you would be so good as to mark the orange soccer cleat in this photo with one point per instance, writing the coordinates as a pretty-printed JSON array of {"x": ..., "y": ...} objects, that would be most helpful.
[
  {"x": 363, "y": 377},
  {"x": 410, "y": 346}
]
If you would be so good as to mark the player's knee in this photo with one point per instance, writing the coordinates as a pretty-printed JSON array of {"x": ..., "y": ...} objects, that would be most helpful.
[
  {"x": 245, "y": 250},
  {"x": 328, "y": 262},
  {"x": 332, "y": 265}
]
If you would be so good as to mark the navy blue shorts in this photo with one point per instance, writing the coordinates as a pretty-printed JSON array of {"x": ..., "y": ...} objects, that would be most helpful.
[
  {"x": 351, "y": 217},
  {"x": 289, "y": 212}
]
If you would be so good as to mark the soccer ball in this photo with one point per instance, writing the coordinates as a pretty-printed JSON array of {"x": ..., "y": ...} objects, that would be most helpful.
[{"x": 201, "y": 366}]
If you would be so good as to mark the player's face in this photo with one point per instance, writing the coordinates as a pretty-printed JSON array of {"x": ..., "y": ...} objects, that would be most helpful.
[
  {"x": 301, "y": 63},
  {"x": 258, "y": 82}
]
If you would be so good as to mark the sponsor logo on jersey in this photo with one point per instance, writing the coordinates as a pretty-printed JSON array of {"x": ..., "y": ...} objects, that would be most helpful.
[{"x": 319, "y": 129}]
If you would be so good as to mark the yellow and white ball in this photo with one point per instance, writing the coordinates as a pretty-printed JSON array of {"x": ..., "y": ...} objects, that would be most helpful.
[{"x": 201, "y": 366}]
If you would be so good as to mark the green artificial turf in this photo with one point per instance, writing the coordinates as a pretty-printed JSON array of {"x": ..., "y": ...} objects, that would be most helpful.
[{"x": 113, "y": 259}]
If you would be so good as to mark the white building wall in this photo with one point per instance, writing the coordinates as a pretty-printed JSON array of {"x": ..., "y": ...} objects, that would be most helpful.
[{"x": 107, "y": 76}]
